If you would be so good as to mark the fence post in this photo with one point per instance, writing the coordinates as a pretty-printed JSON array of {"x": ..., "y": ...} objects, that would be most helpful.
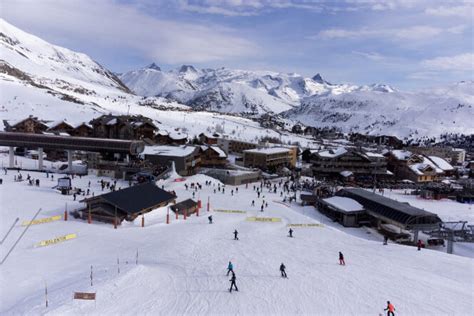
[
  {"x": 143, "y": 220},
  {"x": 208, "y": 203},
  {"x": 185, "y": 213},
  {"x": 92, "y": 282},
  {"x": 65, "y": 214},
  {"x": 46, "y": 293},
  {"x": 168, "y": 216}
]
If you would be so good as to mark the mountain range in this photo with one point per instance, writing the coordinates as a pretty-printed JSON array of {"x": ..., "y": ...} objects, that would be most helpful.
[{"x": 37, "y": 77}]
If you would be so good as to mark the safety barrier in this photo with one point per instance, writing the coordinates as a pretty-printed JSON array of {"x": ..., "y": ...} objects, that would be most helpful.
[
  {"x": 231, "y": 211},
  {"x": 42, "y": 220},
  {"x": 305, "y": 225},
  {"x": 264, "y": 219},
  {"x": 56, "y": 240}
]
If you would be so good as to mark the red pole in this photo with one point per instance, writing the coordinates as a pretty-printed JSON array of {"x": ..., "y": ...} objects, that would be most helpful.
[
  {"x": 176, "y": 212},
  {"x": 197, "y": 209},
  {"x": 143, "y": 220},
  {"x": 65, "y": 215},
  {"x": 185, "y": 213},
  {"x": 168, "y": 216}
]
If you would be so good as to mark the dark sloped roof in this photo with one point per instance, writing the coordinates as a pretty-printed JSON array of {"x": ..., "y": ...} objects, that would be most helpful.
[
  {"x": 139, "y": 197},
  {"x": 184, "y": 205}
]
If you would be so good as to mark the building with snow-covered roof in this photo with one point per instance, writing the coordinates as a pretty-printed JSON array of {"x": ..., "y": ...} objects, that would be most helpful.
[
  {"x": 212, "y": 156},
  {"x": 123, "y": 127},
  {"x": 270, "y": 158},
  {"x": 30, "y": 124},
  {"x": 344, "y": 210},
  {"x": 335, "y": 161},
  {"x": 58, "y": 127},
  {"x": 186, "y": 158}
]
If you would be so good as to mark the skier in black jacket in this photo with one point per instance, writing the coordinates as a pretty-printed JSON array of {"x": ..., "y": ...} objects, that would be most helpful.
[
  {"x": 236, "y": 233},
  {"x": 290, "y": 232},
  {"x": 282, "y": 270},
  {"x": 232, "y": 283}
]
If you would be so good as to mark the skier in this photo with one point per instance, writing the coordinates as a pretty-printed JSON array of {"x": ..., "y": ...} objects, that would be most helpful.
[
  {"x": 253, "y": 203},
  {"x": 282, "y": 270},
  {"x": 341, "y": 259},
  {"x": 230, "y": 268},
  {"x": 418, "y": 244},
  {"x": 290, "y": 232},
  {"x": 210, "y": 219},
  {"x": 385, "y": 240},
  {"x": 390, "y": 309},
  {"x": 235, "y": 235},
  {"x": 261, "y": 208},
  {"x": 74, "y": 196},
  {"x": 232, "y": 283}
]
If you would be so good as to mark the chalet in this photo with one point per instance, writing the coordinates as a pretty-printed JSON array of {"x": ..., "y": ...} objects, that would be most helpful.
[
  {"x": 235, "y": 146},
  {"x": 186, "y": 158},
  {"x": 212, "y": 156},
  {"x": 30, "y": 124},
  {"x": 270, "y": 158},
  {"x": 178, "y": 138},
  {"x": 59, "y": 127},
  {"x": 126, "y": 204},
  {"x": 82, "y": 130},
  {"x": 342, "y": 161},
  {"x": 209, "y": 139},
  {"x": 417, "y": 168},
  {"x": 188, "y": 206},
  {"x": 346, "y": 211},
  {"x": 162, "y": 137},
  {"x": 123, "y": 127}
]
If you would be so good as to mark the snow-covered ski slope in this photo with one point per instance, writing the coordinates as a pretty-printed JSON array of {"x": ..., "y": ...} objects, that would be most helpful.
[{"x": 181, "y": 266}]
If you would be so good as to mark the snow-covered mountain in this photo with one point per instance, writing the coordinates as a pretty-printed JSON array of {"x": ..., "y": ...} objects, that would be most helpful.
[{"x": 382, "y": 110}]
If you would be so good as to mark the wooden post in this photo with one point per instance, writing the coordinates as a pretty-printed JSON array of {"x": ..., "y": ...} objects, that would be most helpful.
[
  {"x": 92, "y": 282},
  {"x": 89, "y": 216},
  {"x": 168, "y": 216},
  {"x": 185, "y": 213},
  {"x": 136, "y": 259},
  {"x": 143, "y": 220},
  {"x": 65, "y": 214},
  {"x": 118, "y": 265},
  {"x": 197, "y": 210},
  {"x": 176, "y": 210},
  {"x": 208, "y": 203}
]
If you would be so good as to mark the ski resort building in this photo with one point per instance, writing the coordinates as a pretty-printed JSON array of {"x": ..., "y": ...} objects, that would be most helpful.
[
  {"x": 30, "y": 124},
  {"x": 269, "y": 158},
  {"x": 186, "y": 158},
  {"x": 126, "y": 204},
  {"x": 384, "y": 210},
  {"x": 123, "y": 127},
  {"x": 188, "y": 206},
  {"x": 340, "y": 161},
  {"x": 212, "y": 156},
  {"x": 346, "y": 211}
]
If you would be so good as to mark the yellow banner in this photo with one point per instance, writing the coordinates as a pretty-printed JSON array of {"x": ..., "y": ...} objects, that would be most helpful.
[
  {"x": 305, "y": 225},
  {"x": 263, "y": 219},
  {"x": 56, "y": 240},
  {"x": 42, "y": 220},
  {"x": 230, "y": 211}
]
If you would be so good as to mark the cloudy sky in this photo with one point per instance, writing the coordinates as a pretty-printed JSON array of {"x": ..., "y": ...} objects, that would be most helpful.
[{"x": 407, "y": 43}]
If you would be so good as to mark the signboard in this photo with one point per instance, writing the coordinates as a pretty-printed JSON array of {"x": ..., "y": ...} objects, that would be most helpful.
[
  {"x": 305, "y": 225},
  {"x": 264, "y": 219},
  {"x": 56, "y": 240},
  {"x": 64, "y": 183},
  {"x": 84, "y": 296},
  {"x": 42, "y": 220},
  {"x": 231, "y": 211}
]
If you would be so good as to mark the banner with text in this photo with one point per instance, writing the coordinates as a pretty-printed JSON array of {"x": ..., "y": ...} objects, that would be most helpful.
[
  {"x": 42, "y": 220},
  {"x": 56, "y": 240},
  {"x": 231, "y": 211},
  {"x": 264, "y": 219},
  {"x": 305, "y": 225}
]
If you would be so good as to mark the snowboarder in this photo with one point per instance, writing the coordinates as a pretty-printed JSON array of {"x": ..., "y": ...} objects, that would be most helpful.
[
  {"x": 232, "y": 283},
  {"x": 210, "y": 219},
  {"x": 290, "y": 232},
  {"x": 282, "y": 270},
  {"x": 390, "y": 309},
  {"x": 418, "y": 244},
  {"x": 230, "y": 268},
  {"x": 236, "y": 233},
  {"x": 341, "y": 259}
]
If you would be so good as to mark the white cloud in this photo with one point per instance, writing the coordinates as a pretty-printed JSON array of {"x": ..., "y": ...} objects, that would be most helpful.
[
  {"x": 374, "y": 56},
  {"x": 462, "y": 63},
  {"x": 452, "y": 11},
  {"x": 118, "y": 26},
  {"x": 406, "y": 33}
]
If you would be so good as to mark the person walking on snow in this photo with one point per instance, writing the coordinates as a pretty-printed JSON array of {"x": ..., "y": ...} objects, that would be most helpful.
[
  {"x": 253, "y": 202},
  {"x": 232, "y": 283},
  {"x": 290, "y": 232},
  {"x": 230, "y": 268},
  {"x": 210, "y": 219},
  {"x": 418, "y": 244},
  {"x": 282, "y": 270},
  {"x": 341, "y": 259},
  {"x": 235, "y": 235},
  {"x": 390, "y": 309}
]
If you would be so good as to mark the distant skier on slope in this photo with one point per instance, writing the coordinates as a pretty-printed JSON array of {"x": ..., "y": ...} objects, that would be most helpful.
[
  {"x": 390, "y": 309},
  {"x": 419, "y": 244},
  {"x": 282, "y": 270},
  {"x": 341, "y": 259},
  {"x": 230, "y": 268},
  {"x": 232, "y": 283},
  {"x": 236, "y": 233},
  {"x": 210, "y": 219},
  {"x": 290, "y": 233}
]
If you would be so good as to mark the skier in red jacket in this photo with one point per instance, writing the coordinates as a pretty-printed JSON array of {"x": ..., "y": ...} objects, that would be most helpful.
[{"x": 390, "y": 309}]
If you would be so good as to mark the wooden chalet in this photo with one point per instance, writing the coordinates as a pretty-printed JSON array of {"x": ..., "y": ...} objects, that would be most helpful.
[
  {"x": 30, "y": 124},
  {"x": 189, "y": 206},
  {"x": 123, "y": 127},
  {"x": 82, "y": 130},
  {"x": 126, "y": 204},
  {"x": 59, "y": 127},
  {"x": 212, "y": 156},
  {"x": 209, "y": 139}
]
